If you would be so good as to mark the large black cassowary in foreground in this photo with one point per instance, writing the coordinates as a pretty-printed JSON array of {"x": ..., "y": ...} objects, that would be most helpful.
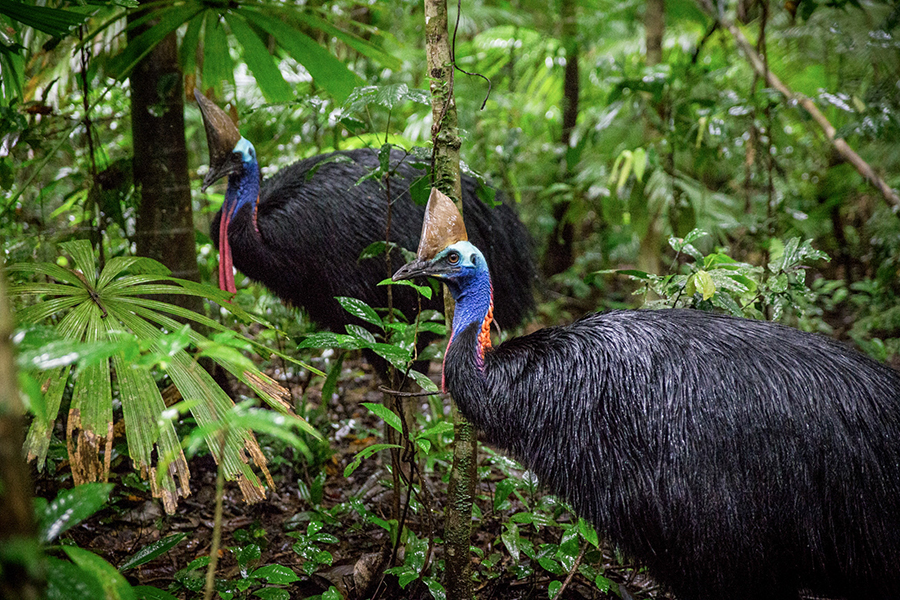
[
  {"x": 301, "y": 232},
  {"x": 737, "y": 459}
]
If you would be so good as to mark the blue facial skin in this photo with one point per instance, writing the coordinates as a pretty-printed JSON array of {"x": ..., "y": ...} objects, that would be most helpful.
[
  {"x": 469, "y": 282},
  {"x": 243, "y": 185}
]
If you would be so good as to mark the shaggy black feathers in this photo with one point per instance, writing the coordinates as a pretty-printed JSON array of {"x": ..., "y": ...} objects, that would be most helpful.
[
  {"x": 315, "y": 219},
  {"x": 737, "y": 459}
]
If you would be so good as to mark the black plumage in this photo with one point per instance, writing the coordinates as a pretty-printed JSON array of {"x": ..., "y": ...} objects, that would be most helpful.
[
  {"x": 737, "y": 459},
  {"x": 315, "y": 217}
]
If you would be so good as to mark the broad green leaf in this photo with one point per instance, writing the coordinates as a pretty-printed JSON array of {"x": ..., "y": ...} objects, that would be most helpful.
[
  {"x": 276, "y": 574},
  {"x": 360, "y": 310},
  {"x": 422, "y": 289},
  {"x": 66, "y": 581},
  {"x": 423, "y": 381},
  {"x": 326, "y": 70},
  {"x": 588, "y": 532},
  {"x": 704, "y": 284},
  {"x": 327, "y": 339},
  {"x": 54, "y": 21},
  {"x": 359, "y": 44},
  {"x": 187, "y": 50},
  {"x": 261, "y": 63},
  {"x": 151, "y": 551},
  {"x": 217, "y": 66},
  {"x": 146, "y": 592},
  {"x": 115, "y": 586},
  {"x": 387, "y": 415},
  {"x": 71, "y": 507},
  {"x": 272, "y": 593}
]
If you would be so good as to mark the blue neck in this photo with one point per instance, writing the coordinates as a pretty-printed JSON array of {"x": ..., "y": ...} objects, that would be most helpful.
[
  {"x": 243, "y": 186},
  {"x": 474, "y": 297}
]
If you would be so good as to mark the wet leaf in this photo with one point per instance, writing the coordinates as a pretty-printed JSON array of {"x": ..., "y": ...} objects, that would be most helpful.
[
  {"x": 70, "y": 508},
  {"x": 151, "y": 551}
]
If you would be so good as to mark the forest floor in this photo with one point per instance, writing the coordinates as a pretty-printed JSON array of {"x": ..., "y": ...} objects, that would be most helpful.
[{"x": 353, "y": 510}]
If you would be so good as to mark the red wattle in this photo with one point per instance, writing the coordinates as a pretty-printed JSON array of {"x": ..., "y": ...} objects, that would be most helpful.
[{"x": 226, "y": 265}]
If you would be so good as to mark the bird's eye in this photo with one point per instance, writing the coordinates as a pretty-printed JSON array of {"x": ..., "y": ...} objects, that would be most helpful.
[{"x": 453, "y": 258}]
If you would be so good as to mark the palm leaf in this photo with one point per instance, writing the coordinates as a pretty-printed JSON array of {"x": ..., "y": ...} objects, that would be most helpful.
[{"x": 111, "y": 310}]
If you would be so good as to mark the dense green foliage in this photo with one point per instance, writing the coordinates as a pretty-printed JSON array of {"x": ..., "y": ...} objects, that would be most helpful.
[{"x": 689, "y": 182}]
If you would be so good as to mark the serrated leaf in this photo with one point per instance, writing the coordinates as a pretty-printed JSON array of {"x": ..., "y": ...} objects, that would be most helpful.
[
  {"x": 71, "y": 507},
  {"x": 151, "y": 551}
]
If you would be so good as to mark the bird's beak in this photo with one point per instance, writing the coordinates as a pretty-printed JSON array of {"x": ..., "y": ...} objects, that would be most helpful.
[
  {"x": 222, "y": 136},
  {"x": 423, "y": 268}
]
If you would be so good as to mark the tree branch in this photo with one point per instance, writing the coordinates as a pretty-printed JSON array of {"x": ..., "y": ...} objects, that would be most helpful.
[{"x": 839, "y": 144}]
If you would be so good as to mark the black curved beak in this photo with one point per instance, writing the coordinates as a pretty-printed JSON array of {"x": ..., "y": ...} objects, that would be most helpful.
[{"x": 423, "y": 268}]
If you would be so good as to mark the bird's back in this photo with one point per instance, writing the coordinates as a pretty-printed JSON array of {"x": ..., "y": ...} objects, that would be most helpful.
[
  {"x": 316, "y": 217},
  {"x": 726, "y": 454}
]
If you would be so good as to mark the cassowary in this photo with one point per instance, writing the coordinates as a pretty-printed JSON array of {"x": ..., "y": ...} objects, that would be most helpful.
[
  {"x": 735, "y": 458},
  {"x": 301, "y": 232}
]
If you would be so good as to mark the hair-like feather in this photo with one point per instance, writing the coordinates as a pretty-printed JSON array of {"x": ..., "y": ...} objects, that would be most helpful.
[
  {"x": 315, "y": 217},
  {"x": 735, "y": 458}
]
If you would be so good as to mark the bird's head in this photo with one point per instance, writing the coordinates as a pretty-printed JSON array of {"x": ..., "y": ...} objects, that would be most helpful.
[
  {"x": 229, "y": 152},
  {"x": 445, "y": 253},
  {"x": 459, "y": 265}
]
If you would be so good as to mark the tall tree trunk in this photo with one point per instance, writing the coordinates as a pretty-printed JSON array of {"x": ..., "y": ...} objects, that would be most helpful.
[
  {"x": 445, "y": 177},
  {"x": 165, "y": 225},
  {"x": 560, "y": 253},
  {"x": 19, "y": 548},
  {"x": 651, "y": 243}
]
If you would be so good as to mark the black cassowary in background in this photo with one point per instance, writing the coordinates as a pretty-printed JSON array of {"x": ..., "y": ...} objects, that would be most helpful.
[
  {"x": 301, "y": 232},
  {"x": 737, "y": 459}
]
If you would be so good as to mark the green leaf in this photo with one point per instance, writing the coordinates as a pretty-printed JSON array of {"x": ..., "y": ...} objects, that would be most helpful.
[
  {"x": 276, "y": 574},
  {"x": 146, "y": 592},
  {"x": 423, "y": 381},
  {"x": 217, "y": 65},
  {"x": 273, "y": 594},
  {"x": 422, "y": 289},
  {"x": 151, "y": 551},
  {"x": 553, "y": 589},
  {"x": 587, "y": 531},
  {"x": 66, "y": 581},
  {"x": 362, "y": 455},
  {"x": 115, "y": 586},
  {"x": 261, "y": 63},
  {"x": 360, "y": 310},
  {"x": 70, "y": 508},
  {"x": 704, "y": 284},
  {"x": 437, "y": 590},
  {"x": 388, "y": 96},
  {"x": 54, "y": 21},
  {"x": 327, "y": 339},
  {"x": 510, "y": 539},
  {"x": 387, "y": 415},
  {"x": 326, "y": 70}
]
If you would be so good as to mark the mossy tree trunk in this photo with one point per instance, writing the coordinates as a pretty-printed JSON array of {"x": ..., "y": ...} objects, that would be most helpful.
[{"x": 445, "y": 177}]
